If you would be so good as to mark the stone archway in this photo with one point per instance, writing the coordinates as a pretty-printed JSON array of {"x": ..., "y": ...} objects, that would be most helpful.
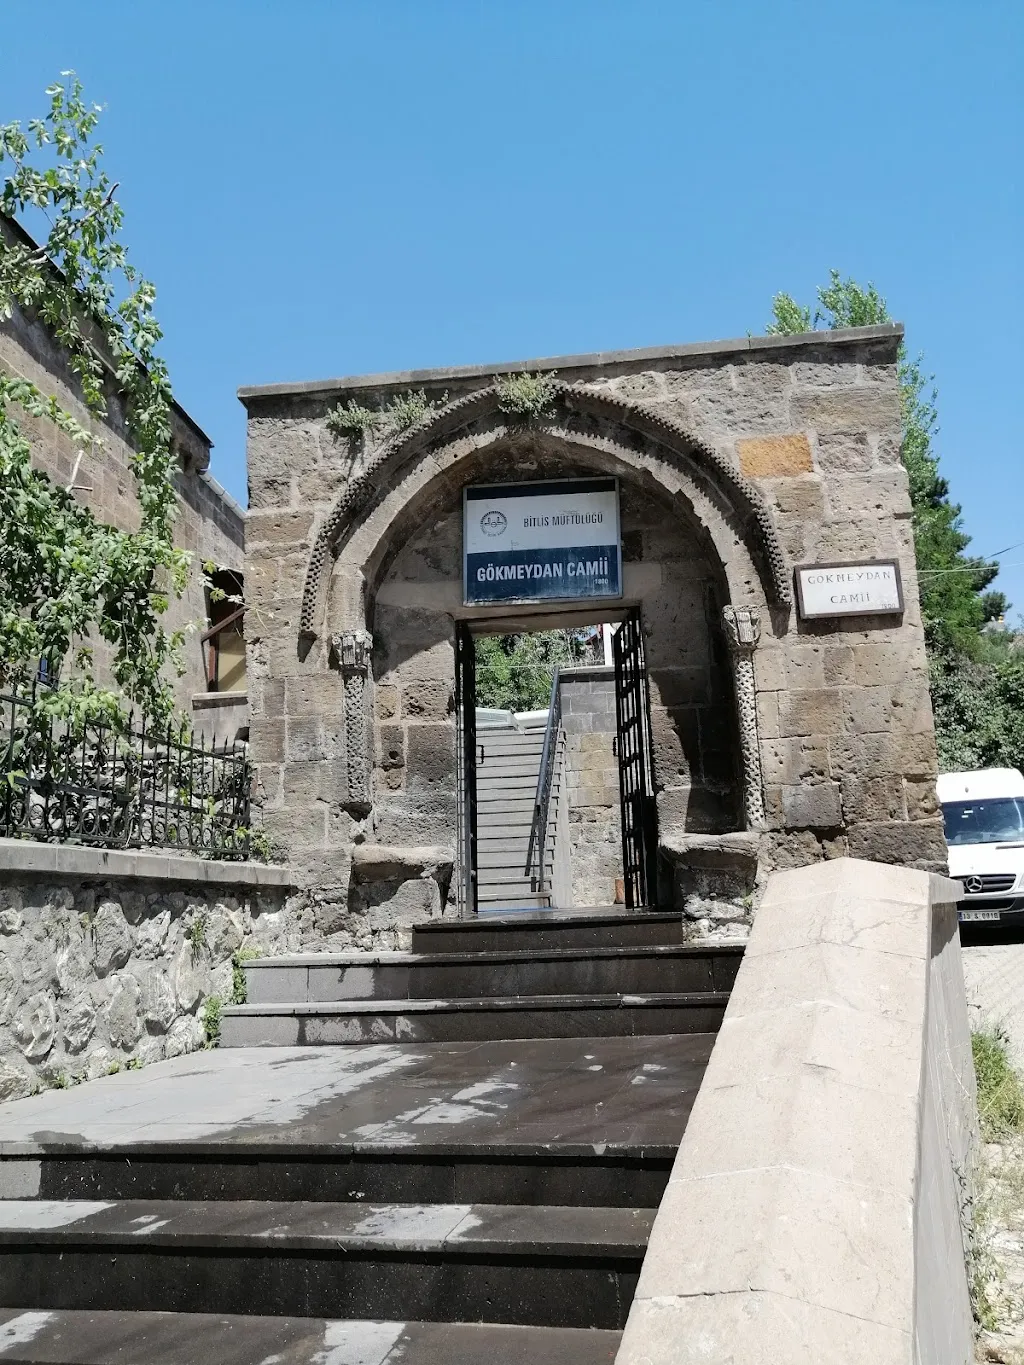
[
  {"x": 626, "y": 434},
  {"x": 374, "y": 521}
]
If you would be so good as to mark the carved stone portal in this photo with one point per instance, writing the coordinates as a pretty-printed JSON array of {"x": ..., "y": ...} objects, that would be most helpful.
[
  {"x": 742, "y": 631},
  {"x": 353, "y": 650}
]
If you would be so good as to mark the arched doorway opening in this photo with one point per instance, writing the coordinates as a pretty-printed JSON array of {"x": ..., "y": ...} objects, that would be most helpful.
[{"x": 687, "y": 757}]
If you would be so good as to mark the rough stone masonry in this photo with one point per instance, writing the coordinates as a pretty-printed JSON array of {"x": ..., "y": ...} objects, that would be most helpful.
[{"x": 778, "y": 740}]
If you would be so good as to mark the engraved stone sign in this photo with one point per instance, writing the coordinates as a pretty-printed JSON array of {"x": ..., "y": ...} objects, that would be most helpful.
[{"x": 866, "y": 589}]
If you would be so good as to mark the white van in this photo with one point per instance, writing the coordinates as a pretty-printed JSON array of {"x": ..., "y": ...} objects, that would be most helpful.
[{"x": 983, "y": 813}]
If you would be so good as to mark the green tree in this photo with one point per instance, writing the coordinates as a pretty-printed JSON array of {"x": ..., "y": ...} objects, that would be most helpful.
[
  {"x": 66, "y": 579},
  {"x": 951, "y": 582},
  {"x": 977, "y": 677},
  {"x": 514, "y": 672}
]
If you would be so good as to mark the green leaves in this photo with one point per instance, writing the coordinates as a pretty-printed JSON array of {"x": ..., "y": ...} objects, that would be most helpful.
[
  {"x": 526, "y": 396},
  {"x": 977, "y": 696},
  {"x": 65, "y": 577}
]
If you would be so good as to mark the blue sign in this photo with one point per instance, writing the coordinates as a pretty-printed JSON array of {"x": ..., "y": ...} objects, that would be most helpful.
[{"x": 536, "y": 542}]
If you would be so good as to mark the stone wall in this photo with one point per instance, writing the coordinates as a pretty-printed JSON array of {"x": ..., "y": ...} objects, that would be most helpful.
[
  {"x": 210, "y": 523},
  {"x": 816, "y": 1208},
  {"x": 592, "y": 782},
  {"x": 834, "y": 750},
  {"x": 107, "y": 959}
]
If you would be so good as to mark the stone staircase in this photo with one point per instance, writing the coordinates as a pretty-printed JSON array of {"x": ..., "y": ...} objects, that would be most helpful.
[
  {"x": 481, "y": 1189},
  {"x": 506, "y": 787}
]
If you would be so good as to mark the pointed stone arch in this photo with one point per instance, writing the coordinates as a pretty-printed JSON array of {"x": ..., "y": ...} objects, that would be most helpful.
[{"x": 624, "y": 433}]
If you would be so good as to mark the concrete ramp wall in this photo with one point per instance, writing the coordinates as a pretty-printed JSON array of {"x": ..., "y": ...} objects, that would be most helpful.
[{"x": 813, "y": 1212}]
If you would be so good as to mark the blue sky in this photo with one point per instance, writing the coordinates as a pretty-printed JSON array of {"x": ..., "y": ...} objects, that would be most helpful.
[{"x": 322, "y": 189}]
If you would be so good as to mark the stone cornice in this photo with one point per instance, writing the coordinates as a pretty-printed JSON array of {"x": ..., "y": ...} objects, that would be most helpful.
[{"x": 888, "y": 337}]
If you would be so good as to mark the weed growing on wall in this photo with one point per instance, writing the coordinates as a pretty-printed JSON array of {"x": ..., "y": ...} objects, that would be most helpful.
[
  {"x": 239, "y": 990},
  {"x": 210, "y": 1017},
  {"x": 353, "y": 421},
  {"x": 526, "y": 396}
]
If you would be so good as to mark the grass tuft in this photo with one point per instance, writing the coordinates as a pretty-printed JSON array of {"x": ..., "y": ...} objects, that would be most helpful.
[{"x": 1000, "y": 1093}]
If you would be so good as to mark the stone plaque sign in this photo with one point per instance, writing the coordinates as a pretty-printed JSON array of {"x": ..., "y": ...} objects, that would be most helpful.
[
  {"x": 868, "y": 589},
  {"x": 534, "y": 542}
]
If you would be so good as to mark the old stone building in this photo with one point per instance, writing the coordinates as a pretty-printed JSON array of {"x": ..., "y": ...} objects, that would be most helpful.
[
  {"x": 210, "y": 524},
  {"x": 780, "y": 732}
]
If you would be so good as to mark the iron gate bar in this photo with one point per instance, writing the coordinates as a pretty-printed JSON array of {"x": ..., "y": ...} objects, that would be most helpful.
[
  {"x": 465, "y": 708},
  {"x": 636, "y": 768}
]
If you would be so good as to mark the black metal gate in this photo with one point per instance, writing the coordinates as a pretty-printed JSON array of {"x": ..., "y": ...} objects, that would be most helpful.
[
  {"x": 636, "y": 770},
  {"x": 465, "y": 711}
]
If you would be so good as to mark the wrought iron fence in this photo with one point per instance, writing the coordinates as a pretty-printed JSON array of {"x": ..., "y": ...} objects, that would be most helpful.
[{"x": 134, "y": 786}]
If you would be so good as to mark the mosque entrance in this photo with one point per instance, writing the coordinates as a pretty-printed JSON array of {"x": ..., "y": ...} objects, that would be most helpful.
[{"x": 556, "y": 793}]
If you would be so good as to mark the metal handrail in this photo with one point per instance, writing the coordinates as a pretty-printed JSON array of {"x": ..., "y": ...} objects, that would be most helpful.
[{"x": 542, "y": 800}]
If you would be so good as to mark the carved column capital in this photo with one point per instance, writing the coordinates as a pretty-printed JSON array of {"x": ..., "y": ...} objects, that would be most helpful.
[
  {"x": 742, "y": 627},
  {"x": 353, "y": 650}
]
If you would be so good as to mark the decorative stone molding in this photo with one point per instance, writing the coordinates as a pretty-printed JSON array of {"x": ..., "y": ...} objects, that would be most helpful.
[
  {"x": 353, "y": 650},
  {"x": 677, "y": 446},
  {"x": 742, "y": 632}
]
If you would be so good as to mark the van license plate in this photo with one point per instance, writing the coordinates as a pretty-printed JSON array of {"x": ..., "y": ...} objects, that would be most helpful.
[{"x": 979, "y": 914}]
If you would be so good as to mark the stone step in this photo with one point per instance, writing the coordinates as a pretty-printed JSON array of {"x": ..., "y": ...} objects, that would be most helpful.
[
  {"x": 626, "y": 1175},
  {"x": 80, "y": 1337},
  {"x": 499, "y": 785},
  {"x": 491, "y": 856},
  {"x": 599, "y": 927},
  {"x": 501, "y": 888},
  {"x": 347, "y": 1022},
  {"x": 542, "y": 971},
  {"x": 543, "y": 1265}
]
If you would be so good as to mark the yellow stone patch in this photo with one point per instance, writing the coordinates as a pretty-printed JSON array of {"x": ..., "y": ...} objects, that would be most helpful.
[{"x": 770, "y": 457}]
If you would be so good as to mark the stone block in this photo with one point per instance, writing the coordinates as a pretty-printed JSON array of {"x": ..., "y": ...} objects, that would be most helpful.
[
  {"x": 677, "y": 686},
  {"x": 801, "y": 499},
  {"x": 787, "y": 762},
  {"x": 812, "y": 806},
  {"x": 843, "y": 453},
  {"x": 769, "y": 669},
  {"x": 872, "y": 980},
  {"x": 921, "y": 797},
  {"x": 768, "y": 715},
  {"x": 292, "y": 529},
  {"x": 883, "y": 494},
  {"x": 428, "y": 701},
  {"x": 810, "y": 711},
  {"x": 267, "y": 739},
  {"x": 675, "y": 740},
  {"x": 111, "y": 938},
  {"x": 430, "y": 757},
  {"x": 856, "y": 409},
  {"x": 266, "y": 698},
  {"x": 873, "y": 799},
  {"x": 838, "y": 1245},
  {"x": 386, "y": 701},
  {"x": 322, "y": 694},
  {"x": 805, "y": 665},
  {"x": 839, "y": 664},
  {"x": 775, "y": 456},
  {"x": 867, "y": 710},
  {"x": 918, "y": 843},
  {"x": 392, "y": 746},
  {"x": 695, "y": 809},
  {"x": 856, "y": 755},
  {"x": 754, "y": 1327},
  {"x": 305, "y": 742}
]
